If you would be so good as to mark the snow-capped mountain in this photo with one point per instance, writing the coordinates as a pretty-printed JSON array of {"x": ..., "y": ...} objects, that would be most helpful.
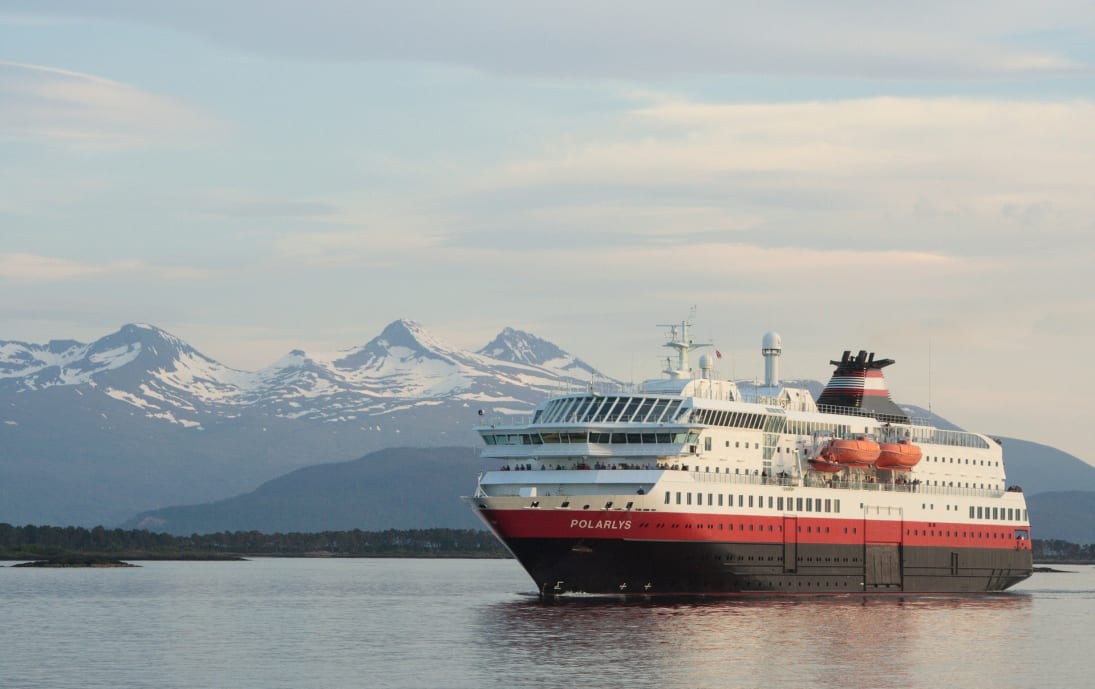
[
  {"x": 163, "y": 377},
  {"x": 525, "y": 348},
  {"x": 93, "y": 433}
]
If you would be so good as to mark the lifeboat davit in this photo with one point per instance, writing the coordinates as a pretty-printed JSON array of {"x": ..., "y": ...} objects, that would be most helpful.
[
  {"x": 900, "y": 456},
  {"x": 862, "y": 451}
]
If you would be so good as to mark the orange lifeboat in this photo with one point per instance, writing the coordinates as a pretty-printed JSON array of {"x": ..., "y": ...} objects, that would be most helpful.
[
  {"x": 862, "y": 451},
  {"x": 900, "y": 456},
  {"x": 819, "y": 463}
]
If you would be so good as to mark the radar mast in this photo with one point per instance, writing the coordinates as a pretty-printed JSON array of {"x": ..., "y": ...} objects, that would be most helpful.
[{"x": 681, "y": 341}]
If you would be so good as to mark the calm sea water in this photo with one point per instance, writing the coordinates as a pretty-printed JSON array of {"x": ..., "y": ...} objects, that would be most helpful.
[{"x": 468, "y": 623}]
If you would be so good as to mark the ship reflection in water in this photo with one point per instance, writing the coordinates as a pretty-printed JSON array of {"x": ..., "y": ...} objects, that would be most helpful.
[{"x": 846, "y": 642}]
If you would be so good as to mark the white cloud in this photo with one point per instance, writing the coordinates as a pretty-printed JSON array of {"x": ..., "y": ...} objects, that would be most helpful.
[
  {"x": 975, "y": 176},
  {"x": 45, "y": 103},
  {"x": 32, "y": 268},
  {"x": 635, "y": 39}
]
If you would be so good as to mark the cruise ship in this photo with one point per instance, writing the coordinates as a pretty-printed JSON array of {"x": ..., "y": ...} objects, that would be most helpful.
[{"x": 686, "y": 487}]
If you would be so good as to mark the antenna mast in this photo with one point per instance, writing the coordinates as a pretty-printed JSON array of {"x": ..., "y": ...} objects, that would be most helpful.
[{"x": 680, "y": 340}]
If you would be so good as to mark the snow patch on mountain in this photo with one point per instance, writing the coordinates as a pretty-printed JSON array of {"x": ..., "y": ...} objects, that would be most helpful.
[{"x": 403, "y": 368}]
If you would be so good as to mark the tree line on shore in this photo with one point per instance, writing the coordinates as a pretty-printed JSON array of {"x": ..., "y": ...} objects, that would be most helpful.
[{"x": 18, "y": 542}]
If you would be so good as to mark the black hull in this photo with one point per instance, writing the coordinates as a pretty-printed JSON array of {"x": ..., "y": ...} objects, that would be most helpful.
[{"x": 650, "y": 568}]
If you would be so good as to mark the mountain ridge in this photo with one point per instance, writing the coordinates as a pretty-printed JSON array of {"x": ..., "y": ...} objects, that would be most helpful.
[{"x": 92, "y": 433}]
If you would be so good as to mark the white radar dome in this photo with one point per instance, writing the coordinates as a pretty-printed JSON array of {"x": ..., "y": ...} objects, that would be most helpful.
[
  {"x": 706, "y": 362},
  {"x": 772, "y": 340}
]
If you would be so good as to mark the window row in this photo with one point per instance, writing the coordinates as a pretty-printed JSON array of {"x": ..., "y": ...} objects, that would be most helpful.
[
  {"x": 998, "y": 513},
  {"x": 732, "y": 419},
  {"x": 773, "y": 502},
  {"x": 951, "y": 460},
  {"x": 611, "y": 409},
  {"x": 938, "y": 436},
  {"x": 589, "y": 437}
]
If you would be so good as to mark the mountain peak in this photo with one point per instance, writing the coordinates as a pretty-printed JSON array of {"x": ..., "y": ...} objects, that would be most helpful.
[
  {"x": 521, "y": 347},
  {"x": 402, "y": 339}
]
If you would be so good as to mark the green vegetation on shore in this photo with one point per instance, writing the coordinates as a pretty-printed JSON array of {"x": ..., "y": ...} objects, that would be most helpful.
[{"x": 36, "y": 542}]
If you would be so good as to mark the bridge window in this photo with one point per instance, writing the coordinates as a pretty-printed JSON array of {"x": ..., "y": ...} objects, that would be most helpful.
[{"x": 667, "y": 497}]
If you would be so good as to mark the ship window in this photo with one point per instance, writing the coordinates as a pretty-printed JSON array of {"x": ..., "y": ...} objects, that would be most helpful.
[
  {"x": 667, "y": 497},
  {"x": 769, "y": 502},
  {"x": 979, "y": 512},
  {"x": 583, "y": 409},
  {"x": 678, "y": 497},
  {"x": 750, "y": 500},
  {"x": 689, "y": 495},
  {"x": 809, "y": 505},
  {"x": 737, "y": 443},
  {"x": 836, "y": 505},
  {"x": 817, "y": 504},
  {"x": 995, "y": 511},
  {"x": 632, "y": 407},
  {"x": 727, "y": 443},
  {"x": 741, "y": 501},
  {"x": 634, "y": 439},
  {"x": 720, "y": 499},
  {"x": 798, "y": 504},
  {"x": 710, "y": 499},
  {"x": 828, "y": 505}
]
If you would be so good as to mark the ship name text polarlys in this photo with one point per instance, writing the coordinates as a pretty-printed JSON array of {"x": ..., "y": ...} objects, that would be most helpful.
[{"x": 600, "y": 524}]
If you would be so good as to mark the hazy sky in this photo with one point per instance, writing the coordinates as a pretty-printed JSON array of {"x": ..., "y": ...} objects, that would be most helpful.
[{"x": 257, "y": 176}]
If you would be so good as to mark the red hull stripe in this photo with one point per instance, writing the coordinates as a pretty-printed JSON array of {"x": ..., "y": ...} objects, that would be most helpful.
[{"x": 670, "y": 526}]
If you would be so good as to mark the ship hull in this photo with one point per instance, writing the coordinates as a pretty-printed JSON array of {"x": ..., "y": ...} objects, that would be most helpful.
[
  {"x": 636, "y": 561},
  {"x": 623, "y": 567}
]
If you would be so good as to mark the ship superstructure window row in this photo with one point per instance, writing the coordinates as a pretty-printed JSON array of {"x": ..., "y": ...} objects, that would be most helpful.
[
  {"x": 610, "y": 409},
  {"x": 731, "y": 419},
  {"x": 585, "y": 437},
  {"x": 938, "y": 436}
]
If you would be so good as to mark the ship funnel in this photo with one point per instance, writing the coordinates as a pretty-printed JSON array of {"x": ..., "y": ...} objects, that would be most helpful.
[
  {"x": 771, "y": 346},
  {"x": 858, "y": 383}
]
